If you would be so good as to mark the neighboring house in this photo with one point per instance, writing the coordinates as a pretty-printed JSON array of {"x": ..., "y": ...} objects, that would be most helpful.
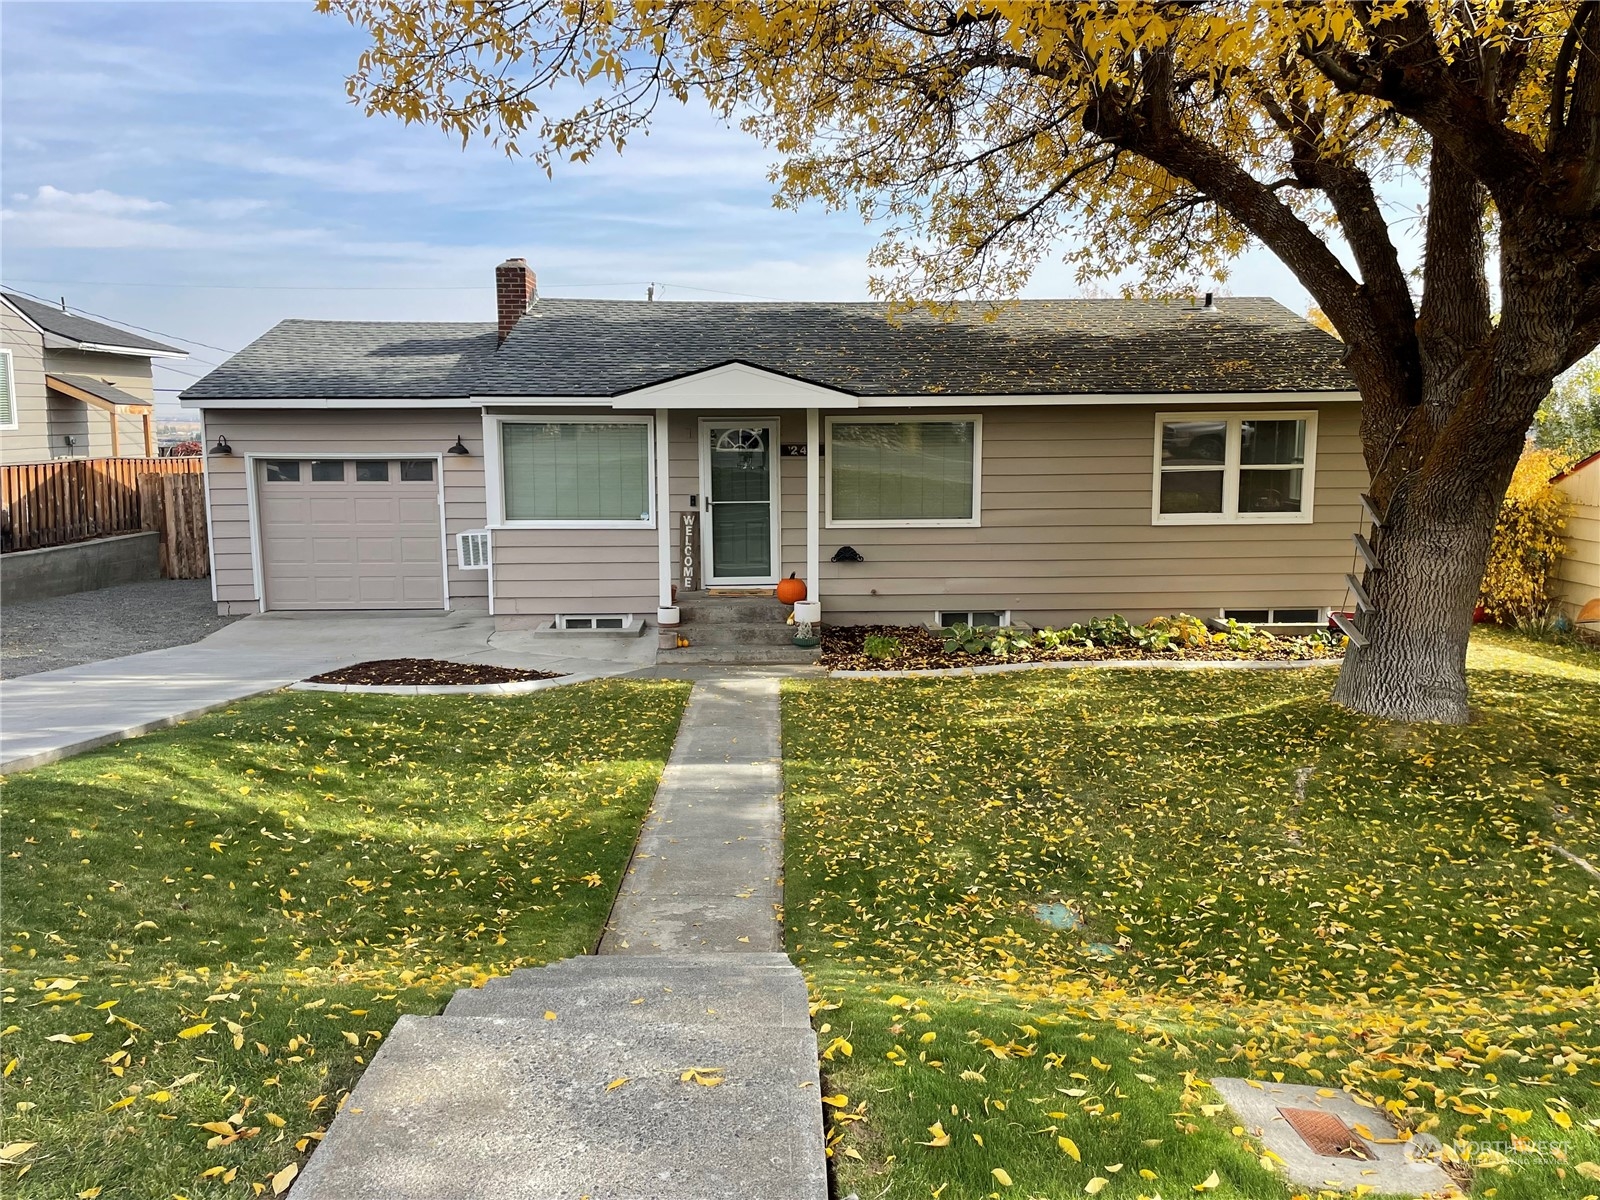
[
  {"x": 1578, "y": 570},
  {"x": 1068, "y": 459},
  {"x": 74, "y": 388}
]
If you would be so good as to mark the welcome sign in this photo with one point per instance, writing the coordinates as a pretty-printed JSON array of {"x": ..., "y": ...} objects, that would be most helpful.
[{"x": 689, "y": 551}]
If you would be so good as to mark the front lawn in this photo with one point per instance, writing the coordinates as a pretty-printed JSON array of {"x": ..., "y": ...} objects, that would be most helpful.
[
  {"x": 1267, "y": 886},
  {"x": 208, "y": 931}
]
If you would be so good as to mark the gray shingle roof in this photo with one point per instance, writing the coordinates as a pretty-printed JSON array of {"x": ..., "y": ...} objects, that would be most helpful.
[
  {"x": 73, "y": 328},
  {"x": 108, "y": 392},
  {"x": 610, "y": 347},
  {"x": 605, "y": 347},
  {"x": 361, "y": 360}
]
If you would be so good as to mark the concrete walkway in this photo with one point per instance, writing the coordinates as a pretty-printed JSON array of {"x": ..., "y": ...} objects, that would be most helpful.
[
  {"x": 706, "y": 874},
  {"x": 679, "y": 1064},
  {"x": 54, "y": 714}
]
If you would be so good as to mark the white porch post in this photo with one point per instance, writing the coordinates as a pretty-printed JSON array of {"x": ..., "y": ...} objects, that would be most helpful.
[
  {"x": 812, "y": 609},
  {"x": 666, "y": 611}
]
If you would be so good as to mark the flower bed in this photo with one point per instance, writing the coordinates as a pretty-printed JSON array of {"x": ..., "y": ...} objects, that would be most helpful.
[
  {"x": 1179, "y": 638},
  {"x": 427, "y": 672}
]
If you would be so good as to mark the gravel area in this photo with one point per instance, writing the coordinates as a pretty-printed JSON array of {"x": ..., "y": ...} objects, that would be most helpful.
[{"x": 41, "y": 635}]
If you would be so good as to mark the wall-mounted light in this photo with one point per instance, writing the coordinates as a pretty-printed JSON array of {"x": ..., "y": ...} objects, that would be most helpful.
[
  {"x": 222, "y": 446},
  {"x": 459, "y": 448}
]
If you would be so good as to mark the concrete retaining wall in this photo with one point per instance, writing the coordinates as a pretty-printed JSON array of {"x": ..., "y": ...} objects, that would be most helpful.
[{"x": 80, "y": 567}]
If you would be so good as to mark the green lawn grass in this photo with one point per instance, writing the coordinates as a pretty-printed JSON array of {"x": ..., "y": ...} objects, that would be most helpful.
[
  {"x": 1269, "y": 885},
  {"x": 209, "y": 930}
]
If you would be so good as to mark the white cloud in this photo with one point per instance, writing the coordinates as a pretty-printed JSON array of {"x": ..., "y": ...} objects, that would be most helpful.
[{"x": 99, "y": 201}]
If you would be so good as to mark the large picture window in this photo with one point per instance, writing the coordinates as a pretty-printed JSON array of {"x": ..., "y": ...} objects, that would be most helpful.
[
  {"x": 1213, "y": 468},
  {"x": 576, "y": 472},
  {"x": 903, "y": 472}
]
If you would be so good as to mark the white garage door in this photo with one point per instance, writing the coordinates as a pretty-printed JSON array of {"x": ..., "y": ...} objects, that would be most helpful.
[{"x": 350, "y": 533}]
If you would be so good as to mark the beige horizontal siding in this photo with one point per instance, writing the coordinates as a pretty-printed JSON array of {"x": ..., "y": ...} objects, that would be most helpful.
[
  {"x": 30, "y": 440},
  {"x": 1066, "y": 532},
  {"x": 311, "y": 434},
  {"x": 1065, "y": 529},
  {"x": 1578, "y": 571}
]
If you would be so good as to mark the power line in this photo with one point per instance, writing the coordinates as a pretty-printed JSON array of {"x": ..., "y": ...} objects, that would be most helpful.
[
  {"x": 125, "y": 324},
  {"x": 322, "y": 287}
]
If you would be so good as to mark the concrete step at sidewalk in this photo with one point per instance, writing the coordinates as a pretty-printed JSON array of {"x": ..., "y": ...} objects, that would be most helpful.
[
  {"x": 463, "y": 1108},
  {"x": 736, "y": 656},
  {"x": 727, "y": 963},
  {"x": 709, "y": 995}
]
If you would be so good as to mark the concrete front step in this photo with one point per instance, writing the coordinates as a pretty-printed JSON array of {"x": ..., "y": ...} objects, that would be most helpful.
[
  {"x": 734, "y": 610},
  {"x": 704, "y": 996},
  {"x": 744, "y": 633},
  {"x": 462, "y": 1108}
]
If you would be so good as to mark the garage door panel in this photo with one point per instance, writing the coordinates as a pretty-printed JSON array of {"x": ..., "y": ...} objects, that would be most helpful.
[
  {"x": 332, "y": 510},
  {"x": 350, "y": 545}
]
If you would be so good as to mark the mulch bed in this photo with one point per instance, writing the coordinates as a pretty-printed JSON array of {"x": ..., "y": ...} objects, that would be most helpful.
[
  {"x": 427, "y": 672},
  {"x": 922, "y": 649}
]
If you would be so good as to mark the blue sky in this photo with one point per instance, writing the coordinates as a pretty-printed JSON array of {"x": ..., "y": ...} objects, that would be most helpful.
[{"x": 194, "y": 144}]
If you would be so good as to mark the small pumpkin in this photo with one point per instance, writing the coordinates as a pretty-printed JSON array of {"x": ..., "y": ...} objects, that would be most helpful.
[{"x": 791, "y": 590}]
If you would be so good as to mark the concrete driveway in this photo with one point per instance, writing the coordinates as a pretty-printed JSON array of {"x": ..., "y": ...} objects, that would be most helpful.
[{"x": 54, "y": 714}]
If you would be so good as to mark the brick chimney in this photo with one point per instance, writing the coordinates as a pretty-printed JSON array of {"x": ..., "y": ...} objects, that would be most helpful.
[{"x": 515, "y": 287}]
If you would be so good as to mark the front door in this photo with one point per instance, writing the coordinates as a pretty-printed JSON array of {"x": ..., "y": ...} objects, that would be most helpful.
[{"x": 739, "y": 480}]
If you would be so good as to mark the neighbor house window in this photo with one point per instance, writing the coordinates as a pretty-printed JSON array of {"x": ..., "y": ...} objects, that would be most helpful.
[
  {"x": 900, "y": 471},
  {"x": 8, "y": 392},
  {"x": 1220, "y": 467},
  {"x": 578, "y": 472}
]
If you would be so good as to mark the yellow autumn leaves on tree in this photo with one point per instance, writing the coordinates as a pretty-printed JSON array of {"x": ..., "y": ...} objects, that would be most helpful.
[{"x": 1527, "y": 542}]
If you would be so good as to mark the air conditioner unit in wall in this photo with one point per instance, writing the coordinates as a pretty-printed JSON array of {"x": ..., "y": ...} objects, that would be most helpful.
[{"x": 472, "y": 550}]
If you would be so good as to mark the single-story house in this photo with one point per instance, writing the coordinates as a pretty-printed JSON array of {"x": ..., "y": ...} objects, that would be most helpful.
[
  {"x": 577, "y": 461},
  {"x": 73, "y": 387}
]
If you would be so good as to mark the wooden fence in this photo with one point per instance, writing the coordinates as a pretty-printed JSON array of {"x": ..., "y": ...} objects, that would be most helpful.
[
  {"x": 175, "y": 507},
  {"x": 75, "y": 499}
]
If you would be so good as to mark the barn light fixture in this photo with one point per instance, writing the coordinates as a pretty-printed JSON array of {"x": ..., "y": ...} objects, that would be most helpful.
[
  {"x": 459, "y": 448},
  {"x": 222, "y": 446}
]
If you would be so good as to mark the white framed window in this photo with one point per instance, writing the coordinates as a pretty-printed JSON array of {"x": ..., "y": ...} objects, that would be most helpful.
[
  {"x": 978, "y": 618},
  {"x": 580, "y": 621},
  {"x": 571, "y": 472},
  {"x": 1277, "y": 616},
  {"x": 8, "y": 392},
  {"x": 903, "y": 471},
  {"x": 1224, "y": 468}
]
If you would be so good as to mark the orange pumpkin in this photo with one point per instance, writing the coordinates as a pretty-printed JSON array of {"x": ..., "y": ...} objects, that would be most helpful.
[{"x": 791, "y": 590}]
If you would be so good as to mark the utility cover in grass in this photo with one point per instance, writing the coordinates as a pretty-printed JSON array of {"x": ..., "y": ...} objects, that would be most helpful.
[{"x": 1376, "y": 1154}]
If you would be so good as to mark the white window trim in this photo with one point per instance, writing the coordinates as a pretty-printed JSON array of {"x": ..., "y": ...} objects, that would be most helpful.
[
  {"x": 1004, "y": 614},
  {"x": 1230, "y": 514},
  {"x": 973, "y": 522},
  {"x": 494, "y": 467},
  {"x": 1274, "y": 610},
  {"x": 11, "y": 390}
]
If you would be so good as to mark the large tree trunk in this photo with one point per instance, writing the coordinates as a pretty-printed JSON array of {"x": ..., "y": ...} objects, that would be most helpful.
[{"x": 1431, "y": 550}]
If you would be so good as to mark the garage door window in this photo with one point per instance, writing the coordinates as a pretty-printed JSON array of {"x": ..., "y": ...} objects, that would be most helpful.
[
  {"x": 327, "y": 472},
  {"x": 283, "y": 472},
  {"x": 372, "y": 472},
  {"x": 416, "y": 470}
]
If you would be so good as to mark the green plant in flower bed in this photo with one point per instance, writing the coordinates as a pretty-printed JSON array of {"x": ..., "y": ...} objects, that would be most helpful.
[{"x": 881, "y": 645}]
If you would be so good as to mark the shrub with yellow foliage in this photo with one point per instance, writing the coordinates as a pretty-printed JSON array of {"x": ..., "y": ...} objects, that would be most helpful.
[{"x": 1527, "y": 541}]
